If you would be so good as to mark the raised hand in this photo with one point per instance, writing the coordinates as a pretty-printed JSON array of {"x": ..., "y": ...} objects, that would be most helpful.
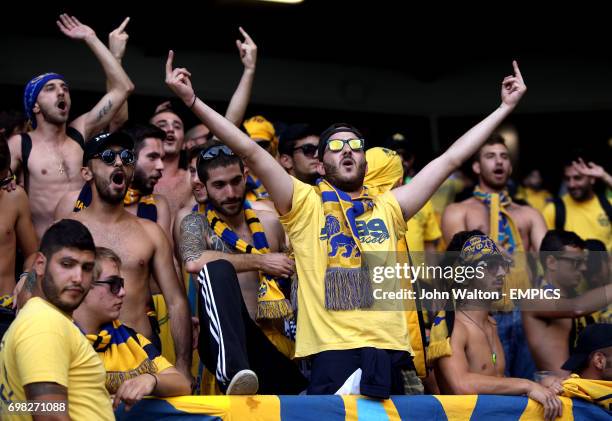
[
  {"x": 72, "y": 28},
  {"x": 117, "y": 40},
  {"x": 247, "y": 50},
  {"x": 178, "y": 80},
  {"x": 591, "y": 169},
  {"x": 513, "y": 87}
]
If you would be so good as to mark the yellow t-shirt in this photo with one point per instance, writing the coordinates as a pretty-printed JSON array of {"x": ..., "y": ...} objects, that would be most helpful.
[
  {"x": 422, "y": 227},
  {"x": 537, "y": 199},
  {"x": 319, "y": 329},
  {"x": 587, "y": 219},
  {"x": 44, "y": 345}
]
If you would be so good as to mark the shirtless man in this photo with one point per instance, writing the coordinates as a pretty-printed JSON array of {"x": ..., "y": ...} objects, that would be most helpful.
[
  {"x": 174, "y": 183},
  {"x": 141, "y": 244},
  {"x": 493, "y": 168},
  {"x": 552, "y": 325},
  {"x": 147, "y": 172},
  {"x": 203, "y": 243},
  {"x": 51, "y": 165},
  {"x": 474, "y": 364},
  {"x": 16, "y": 229}
]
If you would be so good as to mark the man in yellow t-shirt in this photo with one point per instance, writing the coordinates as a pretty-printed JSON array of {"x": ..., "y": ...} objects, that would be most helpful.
[
  {"x": 331, "y": 226},
  {"x": 43, "y": 354},
  {"x": 584, "y": 213}
]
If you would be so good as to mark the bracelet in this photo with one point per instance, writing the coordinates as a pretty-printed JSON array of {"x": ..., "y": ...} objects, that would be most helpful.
[
  {"x": 155, "y": 377},
  {"x": 195, "y": 97},
  {"x": 23, "y": 274}
]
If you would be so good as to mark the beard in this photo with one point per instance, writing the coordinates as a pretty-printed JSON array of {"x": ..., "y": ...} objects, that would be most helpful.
[
  {"x": 107, "y": 193},
  {"x": 50, "y": 117},
  {"x": 52, "y": 294},
  {"x": 221, "y": 206},
  {"x": 342, "y": 182},
  {"x": 142, "y": 182},
  {"x": 579, "y": 194},
  {"x": 491, "y": 182},
  {"x": 306, "y": 177}
]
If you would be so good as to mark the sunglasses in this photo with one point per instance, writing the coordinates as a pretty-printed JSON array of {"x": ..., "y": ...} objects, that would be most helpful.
[
  {"x": 576, "y": 261},
  {"x": 214, "y": 152},
  {"x": 108, "y": 156},
  {"x": 493, "y": 265},
  {"x": 114, "y": 282},
  {"x": 308, "y": 150},
  {"x": 336, "y": 145},
  {"x": 8, "y": 180}
]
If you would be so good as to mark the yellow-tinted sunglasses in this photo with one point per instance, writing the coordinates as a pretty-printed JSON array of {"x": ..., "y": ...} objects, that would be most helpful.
[{"x": 336, "y": 145}]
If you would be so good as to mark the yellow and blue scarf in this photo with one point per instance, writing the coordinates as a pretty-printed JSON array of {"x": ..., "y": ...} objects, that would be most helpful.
[
  {"x": 125, "y": 354},
  {"x": 502, "y": 228},
  {"x": 271, "y": 302},
  {"x": 147, "y": 208},
  {"x": 347, "y": 284},
  {"x": 255, "y": 189}
]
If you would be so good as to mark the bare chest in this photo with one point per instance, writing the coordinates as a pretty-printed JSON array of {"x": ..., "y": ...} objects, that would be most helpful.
[
  {"x": 55, "y": 163},
  {"x": 477, "y": 217}
]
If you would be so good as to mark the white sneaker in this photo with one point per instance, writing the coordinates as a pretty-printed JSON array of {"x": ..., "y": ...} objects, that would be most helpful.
[{"x": 243, "y": 383}]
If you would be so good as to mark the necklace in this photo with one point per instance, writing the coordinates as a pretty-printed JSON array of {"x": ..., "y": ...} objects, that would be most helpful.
[
  {"x": 58, "y": 156},
  {"x": 493, "y": 353}
]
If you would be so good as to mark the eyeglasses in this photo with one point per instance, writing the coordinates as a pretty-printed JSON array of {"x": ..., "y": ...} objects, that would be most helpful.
[
  {"x": 214, "y": 152},
  {"x": 308, "y": 150},
  {"x": 493, "y": 265},
  {"x": 114, "y": 282},
  {"x": 108, "y": 156},
  {"x": 336, "y": 145},
  {"x": 8, "y": 180},
  {"x": 576, "y": 261}
]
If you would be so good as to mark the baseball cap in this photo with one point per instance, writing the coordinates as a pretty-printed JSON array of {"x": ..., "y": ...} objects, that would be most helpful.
[
  {"x": 592, "y": 338},
  {"x": 102, "y": 141}
]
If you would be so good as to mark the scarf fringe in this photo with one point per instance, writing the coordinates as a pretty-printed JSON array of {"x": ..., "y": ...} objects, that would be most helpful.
[
  {"x": 293, "y": 294},
  {"x": 114, "y": 379},
  {"x": 348, "y": 289},
  {"x": 273, "y": 309}
]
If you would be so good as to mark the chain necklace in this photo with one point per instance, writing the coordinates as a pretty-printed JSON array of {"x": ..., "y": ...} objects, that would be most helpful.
[
  {"x": 60, "y": 166},
  {"x": 493, "y": 353}
]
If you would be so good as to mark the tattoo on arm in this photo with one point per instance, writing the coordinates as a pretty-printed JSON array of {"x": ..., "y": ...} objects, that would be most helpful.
[
  {"x": 35, "y": 390},
  {"x": 30, "y": 282},
  {"x": 105, "y": 110},
  {"x": 192, "y": 242}
]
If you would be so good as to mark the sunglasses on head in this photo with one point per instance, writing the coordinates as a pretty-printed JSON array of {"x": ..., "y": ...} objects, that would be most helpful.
[
  {"x": 307, "y": 149},
  {"x": 8, "y": 180},
  {"x": 108, "y": 156},
  {"x": 115, "y": 284},
  {"x": 214, "y": 152},
  {"x": 336, "y": 145}
]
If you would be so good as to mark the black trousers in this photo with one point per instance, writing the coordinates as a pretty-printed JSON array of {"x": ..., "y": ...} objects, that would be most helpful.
[{"x": 230, "y": 341}]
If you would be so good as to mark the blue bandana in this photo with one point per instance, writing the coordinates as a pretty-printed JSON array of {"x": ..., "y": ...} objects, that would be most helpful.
[{"x": 32, "y": 89}]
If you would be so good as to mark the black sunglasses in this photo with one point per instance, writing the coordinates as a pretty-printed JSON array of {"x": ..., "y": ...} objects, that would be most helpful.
[
  {"x": 576, "y": 261},
  {"x": 214, "y": 152},
  {"x": 493, "y": 264},
  {"x": 8, "y": 180},
  {"x": 307, "y": 149},
  {"x": 108, "y": 156},
  {"x": 115, "y": 283}
]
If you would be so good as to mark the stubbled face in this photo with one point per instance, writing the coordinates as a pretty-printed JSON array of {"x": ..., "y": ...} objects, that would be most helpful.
[
  {"x": 197, "y": 188},
  {"x": 100, "y": 300},
  {"x": 197, "y": 136},
  {"x": 149, "y": 165},
  {"x": 494, "y": 277},
  {"x": 570, "y": 265},
  {"x": 175, "y": 132},
  {"x": 493, "y": 166},
  {"x": 226, "y": 189},
  {"x": 112, "y": 181},
  {"x": 67, "y": 278},
  {"x": 533, "y": 180},
  {"x": 304, "y": 167},
  {"x": 579, "y": 186},
  {"x": 345, "y": 169},
  {"x": 53, "y": 102}
]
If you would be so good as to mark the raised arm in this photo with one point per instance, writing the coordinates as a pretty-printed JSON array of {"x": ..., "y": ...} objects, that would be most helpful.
[
  {"x": 120, "y": 85},
  {"x": 593, "y": 170},
  {"x": 275, "y": 179},
  {"x": 174, "y": 295},
  {"x": 584, "y": 304},
  {"x": 413, "y": 196},
  {"x": 240, "y": 100},
  {"x": 117, "y": 42}
]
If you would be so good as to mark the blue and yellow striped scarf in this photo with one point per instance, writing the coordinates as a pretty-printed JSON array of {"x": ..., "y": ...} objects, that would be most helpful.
[
  {"x": 502, "y": 228},
  {"x": 347, "y": 284},
  {"x": 255, "y": 189},
  {"x": 147, "y": 208},
  {"x": 125, "y": 355},
  {"x": 271, "y": 302}
]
